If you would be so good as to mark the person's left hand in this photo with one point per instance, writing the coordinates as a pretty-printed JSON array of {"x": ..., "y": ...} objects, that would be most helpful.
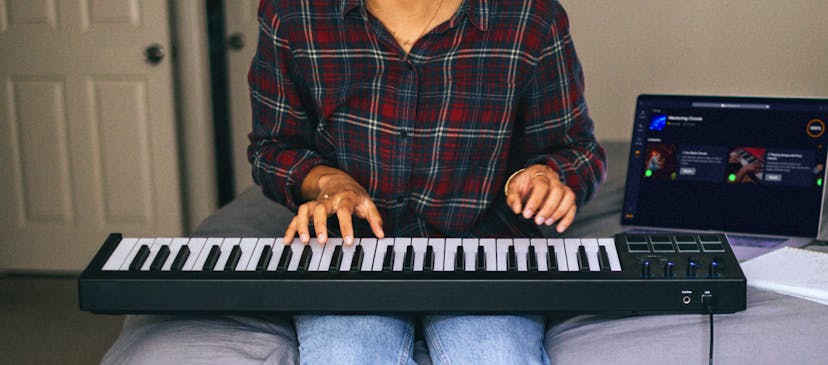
[{"x": 538, "y": 193}]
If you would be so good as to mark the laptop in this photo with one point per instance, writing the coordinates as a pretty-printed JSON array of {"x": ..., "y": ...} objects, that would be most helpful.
[{"x": 750, "y": 167}]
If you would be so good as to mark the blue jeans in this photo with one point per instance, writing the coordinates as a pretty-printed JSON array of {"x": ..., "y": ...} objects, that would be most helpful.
[{"x": 458, "y": 339}]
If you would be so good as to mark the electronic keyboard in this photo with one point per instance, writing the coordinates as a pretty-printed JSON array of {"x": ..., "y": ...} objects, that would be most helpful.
[{"x": 673, "y": 273}]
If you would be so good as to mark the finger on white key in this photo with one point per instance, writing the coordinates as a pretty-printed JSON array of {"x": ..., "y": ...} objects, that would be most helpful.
[{"x": 348, "y": 255}]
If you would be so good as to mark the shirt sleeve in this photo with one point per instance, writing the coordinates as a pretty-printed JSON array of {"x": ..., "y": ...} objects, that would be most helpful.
[
  {"x": 557, "y": 130},
  {"x": 281, "y": 148}
]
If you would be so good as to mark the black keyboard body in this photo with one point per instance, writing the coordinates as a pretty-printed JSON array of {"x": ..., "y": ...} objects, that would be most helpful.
[{"x": 658, "y": 274}]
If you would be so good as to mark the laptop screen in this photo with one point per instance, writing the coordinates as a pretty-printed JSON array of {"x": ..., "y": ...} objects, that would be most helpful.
[{"x": 748, "y": 165}]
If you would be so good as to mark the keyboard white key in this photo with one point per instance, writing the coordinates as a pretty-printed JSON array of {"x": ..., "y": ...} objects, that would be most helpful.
[
  {"x": 490, "y": 248},
  {"x": 612, "y": 254},
  {"x": 571, "y": 247},
  {"x": 419, "y": 245},
  {"x": 379, "y": 254},
  {"x": 522, "y": 252},
  {"x": 560, "y": 253},
  {"x": 196, "y": 245},
  {"x": 131, "y": 255},
  {"x": 503, "y": 245},
  {"x": 369, "y": 247},
  {"x": 317, "y": 248},
  {"x": 348, "y": 255},
  {"x": 120, "y": 254},
  {"x": 205, "y": 251},
  {"x": 297, "y": 247},
  {"x": 248, "y": 248},
  {"x": 279, "y": 248},
  {"x": 470, "y": 253},
  {"x": 541, "y": 248},
  {"x": 156, "y": 246},
  {"x": 591, "y": 248},
  {"x": 226, "y": 248},
  {"x": 439, "y": 246},
  {"x": 253, "y": 260},
  {"x": 327, "y": 253},
  {"x": 451, "y": 245},
  {"x": 175, "y": 247},
  {"x": 400, "y": 246}
]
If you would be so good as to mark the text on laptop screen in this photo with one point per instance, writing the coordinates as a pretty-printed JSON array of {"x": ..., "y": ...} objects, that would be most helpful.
[{"x": 751, "y": 165}]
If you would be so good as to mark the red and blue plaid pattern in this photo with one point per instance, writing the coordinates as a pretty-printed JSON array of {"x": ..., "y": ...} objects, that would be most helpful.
[{"x": 432, "y": 135}]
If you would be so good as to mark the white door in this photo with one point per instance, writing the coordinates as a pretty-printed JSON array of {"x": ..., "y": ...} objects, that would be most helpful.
[
  {"x": 87, "y": 129},
  {"x": 242, "y": 27}
]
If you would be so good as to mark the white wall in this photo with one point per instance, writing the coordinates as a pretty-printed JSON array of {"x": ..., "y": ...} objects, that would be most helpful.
[{"x": 719, "y": 47}]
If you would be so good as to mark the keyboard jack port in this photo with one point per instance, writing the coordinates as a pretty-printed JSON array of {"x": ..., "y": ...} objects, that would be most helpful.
[{"x": 686, "y": 299}]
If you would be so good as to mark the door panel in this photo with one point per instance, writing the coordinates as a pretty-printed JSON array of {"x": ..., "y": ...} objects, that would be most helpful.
[{"x": 87, "y": 129}]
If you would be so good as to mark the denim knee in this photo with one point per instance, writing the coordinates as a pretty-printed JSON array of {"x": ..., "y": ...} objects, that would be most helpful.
[
  {"x": 500, "y": 339},
  {"x": 355, "y": 339}
]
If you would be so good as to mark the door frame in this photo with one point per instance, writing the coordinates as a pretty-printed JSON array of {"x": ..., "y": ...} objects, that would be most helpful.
[{"x": 192, "y": 76}]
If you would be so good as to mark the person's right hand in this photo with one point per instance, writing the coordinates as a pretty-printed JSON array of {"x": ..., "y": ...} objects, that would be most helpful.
[{"x": 332, "y": 191}]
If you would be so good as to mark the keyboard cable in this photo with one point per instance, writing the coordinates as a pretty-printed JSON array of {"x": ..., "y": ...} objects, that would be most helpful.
[{"x": 707, "y": 300}]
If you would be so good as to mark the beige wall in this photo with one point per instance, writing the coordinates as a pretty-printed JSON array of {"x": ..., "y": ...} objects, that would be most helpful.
[{"x": 719, "y": 47}]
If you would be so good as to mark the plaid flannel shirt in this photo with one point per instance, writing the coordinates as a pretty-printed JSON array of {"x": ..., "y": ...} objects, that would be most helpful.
[{"x": 431, "y": 135}]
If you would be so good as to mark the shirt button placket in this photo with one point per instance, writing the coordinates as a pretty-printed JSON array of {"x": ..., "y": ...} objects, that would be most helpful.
[{"x": 407, "y": 114}]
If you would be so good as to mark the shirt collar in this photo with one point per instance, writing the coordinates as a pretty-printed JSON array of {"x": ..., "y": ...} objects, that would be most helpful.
[{"x": 477, "y": 11}]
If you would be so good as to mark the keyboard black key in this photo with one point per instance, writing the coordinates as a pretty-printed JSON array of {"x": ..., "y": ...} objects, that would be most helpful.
[
  {"x": 603, "y": 259},
  {"x": 511, "y": 259},
  {"x": 459, "y": 259},
  {"x": 140, "y": 258},
  {"x": 180, "y": 258},
  {"x": 408, "y": 260},
  {"x": 212, "y": 258},
  {"x": 428, "y": 261},
  {"x": 284, "y": 261},
  {"x": 532, "y": 265},
  {"x": 233, "y": 259},
  {"x": 356, "y": 261},
  {"x": 480, "y": 259},
  {"x": 388, "y": 260},
  {"x": 305, "y": 259},
  {"x": 160, "y": 258},
  {"x": 336, "y": 259},
  {"x": 551, "y": 259},
  {"x": 583, "y": 261},
  {"x": 264, "y": 258}
]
